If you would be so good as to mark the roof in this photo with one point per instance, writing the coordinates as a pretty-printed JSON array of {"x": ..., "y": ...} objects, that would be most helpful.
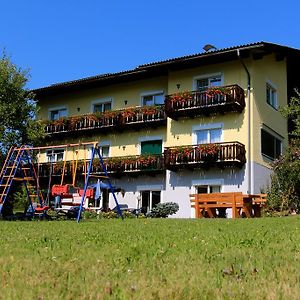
[{"x": 163, "y": 67}]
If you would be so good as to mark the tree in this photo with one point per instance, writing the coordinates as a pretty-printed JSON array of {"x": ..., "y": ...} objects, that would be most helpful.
[
  {"x": 284, "y": 191},
  {"x": 17, "y": 108},
  {"x": 292, "y": 111}
]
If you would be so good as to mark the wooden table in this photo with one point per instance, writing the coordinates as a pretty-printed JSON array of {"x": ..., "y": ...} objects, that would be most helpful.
[{"x": 248, "y": 205}]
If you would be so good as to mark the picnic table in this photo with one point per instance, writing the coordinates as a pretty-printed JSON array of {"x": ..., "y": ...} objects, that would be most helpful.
[{"x": 248, "y": 205}]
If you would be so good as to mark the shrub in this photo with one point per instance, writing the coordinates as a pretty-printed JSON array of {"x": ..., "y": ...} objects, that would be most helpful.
[
  {"x": 20, "y": 199},
  {"x": 163, "y": 210},
  {"x": 108, "y": 215},
  {"x": 89, "y": 214},
  {"x": 284, "y": 191}
]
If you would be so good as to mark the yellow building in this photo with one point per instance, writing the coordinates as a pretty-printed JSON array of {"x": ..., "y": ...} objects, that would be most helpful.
[{"x": 207, "y": 122}]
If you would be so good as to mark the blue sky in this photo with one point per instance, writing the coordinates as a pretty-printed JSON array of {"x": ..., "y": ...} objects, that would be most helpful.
[{"x": 61, "y": 40}]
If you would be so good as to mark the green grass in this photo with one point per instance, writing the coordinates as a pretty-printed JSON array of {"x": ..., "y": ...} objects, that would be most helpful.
[{"x": 151, "y": 259}]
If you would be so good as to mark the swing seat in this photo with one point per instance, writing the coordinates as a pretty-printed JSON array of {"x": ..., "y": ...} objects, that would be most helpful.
[
  {"x": 59, "y": 189},
  {"x": 41, "y": 209},
  {"x": 89, "y": 193}
]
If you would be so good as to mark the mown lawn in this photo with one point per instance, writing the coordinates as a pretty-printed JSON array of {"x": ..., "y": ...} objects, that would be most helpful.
[{"x": 151, "y": 259}]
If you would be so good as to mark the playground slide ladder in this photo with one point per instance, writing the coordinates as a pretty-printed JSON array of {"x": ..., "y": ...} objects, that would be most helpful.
[{"x": 19, "y": 166}]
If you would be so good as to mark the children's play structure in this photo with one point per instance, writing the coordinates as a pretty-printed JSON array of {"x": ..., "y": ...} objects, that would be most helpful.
[{"x": 22, "y": 165}]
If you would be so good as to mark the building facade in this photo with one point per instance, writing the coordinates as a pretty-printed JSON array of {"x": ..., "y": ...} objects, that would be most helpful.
[{"x": 203, "y": 123}]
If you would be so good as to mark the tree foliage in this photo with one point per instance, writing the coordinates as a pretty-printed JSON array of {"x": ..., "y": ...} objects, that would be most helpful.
[
  {"x": 17, "y": 107},
  {"x": 292, "y": 111},
  {"x": 284, "y": 191}
]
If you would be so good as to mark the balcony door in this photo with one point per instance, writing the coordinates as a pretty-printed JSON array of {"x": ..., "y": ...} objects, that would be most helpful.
[
  {"x": 208, "y": 136},
  {"x": 204, "y": 83},
  {"x": 149, "y": 200}
]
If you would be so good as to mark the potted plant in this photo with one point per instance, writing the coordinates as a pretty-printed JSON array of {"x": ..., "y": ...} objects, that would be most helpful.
[
  {"x": 213, "y": 93},
  {"x": 128, "y": 112},
  {"x": 149, "y": 110},
  {"x": 208, "y": 152},
  {"x": 180, "y": 99},
  {"x": 114, "y": 164},
  {"x": 60, "y": 122},
  {"x": 181, "y": 154},
  {"x": 74, "y": 122},
  {"x": 147, "y": 161}
]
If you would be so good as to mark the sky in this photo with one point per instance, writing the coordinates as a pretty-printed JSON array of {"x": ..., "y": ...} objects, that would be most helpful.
[{"x": 62, "y": 40}]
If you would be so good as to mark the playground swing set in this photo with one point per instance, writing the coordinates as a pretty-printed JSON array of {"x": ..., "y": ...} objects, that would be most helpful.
[{"x": 19, "y": 166}]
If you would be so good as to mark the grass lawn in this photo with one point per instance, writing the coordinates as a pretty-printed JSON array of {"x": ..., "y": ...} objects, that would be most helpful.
[{"x": 151, "y": 259}]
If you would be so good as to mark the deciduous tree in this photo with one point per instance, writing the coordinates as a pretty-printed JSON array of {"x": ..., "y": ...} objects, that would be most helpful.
[{"x": 17, "y": 107}]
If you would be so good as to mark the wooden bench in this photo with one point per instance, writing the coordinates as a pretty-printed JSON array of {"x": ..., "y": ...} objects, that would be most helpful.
[
  {"x": 258, "y": 202},
  {"x": 206, "y": 204}
]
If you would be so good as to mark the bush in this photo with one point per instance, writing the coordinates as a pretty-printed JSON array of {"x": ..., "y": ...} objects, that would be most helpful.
[
  {"x": 284, "y": 191},
  {"x": 20, "y": 199},
  {"x": 163, "y": 210},
  {"x": 89, "y": 214},
  {"x": 108, "y": 215}
]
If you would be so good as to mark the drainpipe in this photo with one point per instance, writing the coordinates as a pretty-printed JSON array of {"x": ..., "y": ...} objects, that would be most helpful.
[{"x": 249, "y": 164}]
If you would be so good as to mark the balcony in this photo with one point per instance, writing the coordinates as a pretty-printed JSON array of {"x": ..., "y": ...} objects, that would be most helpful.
[
  {"x": 114, "y": 166},
  {"x": 212, "y": 101},
  {"x": 136, "y": 117},
  {"x": 205, "y": 156}
]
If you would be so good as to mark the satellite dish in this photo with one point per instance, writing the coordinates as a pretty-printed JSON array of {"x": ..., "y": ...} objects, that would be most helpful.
[{"x": 209, "y": 47}]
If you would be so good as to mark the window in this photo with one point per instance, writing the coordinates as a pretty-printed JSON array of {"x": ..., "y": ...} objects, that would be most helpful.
[
  {"x": 104, "y": 151},
  {"x": 204, "y": 83},
  {"x": 102, "y": 107},
  {"x": 58, "y": 113},
  {"x": 271, "y": 146},
  {"x": 153, "y": 99},
  {"x": 271, "y": 96},
  {"x": 208, "y": 189},
  {"x": 55, "y": 155},
  {"x": 151, "y": 147},
  {"x": 149, "y": 200},
  {"x": 208, "y": 136}
]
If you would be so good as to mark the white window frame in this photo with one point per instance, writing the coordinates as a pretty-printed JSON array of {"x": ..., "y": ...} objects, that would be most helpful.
[
  {"x": 194, "y": 85},
  {"x": 55, "y": 155},
  {"x": 100, "y": 145},
  {"x": 151, "y": 93},
  {"x": 274, "y": 88},
  {"x": 105, "y": 144},
  {"x": 149, "y": 139},
  {"x": 51, "y": 109},
  {"x": 208, "y": 182},
  {"x": 154, "y": 187},
  {"x": 275, "y": 135},
  {"x": 207, "y": 127},
  {"x": 101, "y": 101}
]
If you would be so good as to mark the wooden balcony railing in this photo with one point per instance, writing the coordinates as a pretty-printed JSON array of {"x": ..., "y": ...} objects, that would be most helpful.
[
  {"x": 114, "y": 165},
  {"x": 205, "y": 155},
  {"x": 118, "y": 120},
  {"x": 214, "y": 100}
]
